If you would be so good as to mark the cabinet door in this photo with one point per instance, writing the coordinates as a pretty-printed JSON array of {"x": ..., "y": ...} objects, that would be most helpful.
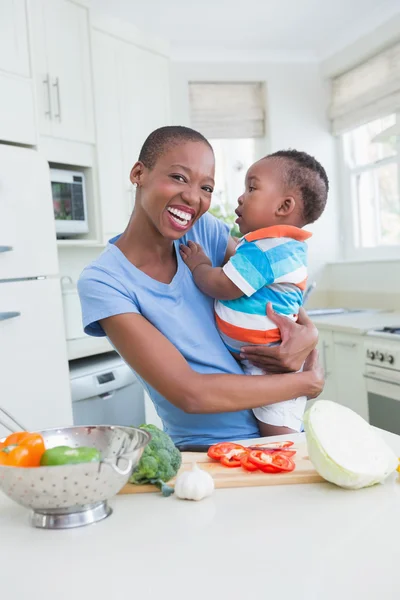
[
  {"x": 327, "y": 358},
  {"x": 17, "y": 111},
  {"x": 144, "y": 90},
  {"x": 27, "y": 233},
  {"x": 113, "y": 194},
  {"x": 40, "y": 66},
  {"x": 68, "y": 55},
  {"x": 33, "y": 360},
  {"x": 60, "y": 32},
  {"x": 14, "y": 56},
  {"x": 349, "y": 368}
]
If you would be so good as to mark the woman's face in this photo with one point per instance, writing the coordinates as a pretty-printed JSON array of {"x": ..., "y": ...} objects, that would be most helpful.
[{"x": 177, "y": 190}]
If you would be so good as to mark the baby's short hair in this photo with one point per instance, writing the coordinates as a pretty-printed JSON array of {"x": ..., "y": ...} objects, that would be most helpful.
[
  {"x": 304, "y": 173},
  {"x": 163, "y": 138}
]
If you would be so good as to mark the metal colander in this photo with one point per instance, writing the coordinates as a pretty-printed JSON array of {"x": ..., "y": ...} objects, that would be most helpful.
[{"x": 73, "y": 495}]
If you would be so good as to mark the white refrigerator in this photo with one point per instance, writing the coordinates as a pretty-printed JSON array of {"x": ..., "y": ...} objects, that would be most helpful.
[{"x": 34, "y": 375}]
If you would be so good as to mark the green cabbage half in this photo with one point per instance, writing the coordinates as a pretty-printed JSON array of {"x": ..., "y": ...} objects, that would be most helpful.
[{"x": 344, "y": 448}]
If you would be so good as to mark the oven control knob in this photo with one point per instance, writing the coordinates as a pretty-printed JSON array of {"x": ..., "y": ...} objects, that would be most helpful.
[
  {"x": 380, "y": 356},
  {"x": 390, "y": 358},
  {"x": 371, "y": 354}
]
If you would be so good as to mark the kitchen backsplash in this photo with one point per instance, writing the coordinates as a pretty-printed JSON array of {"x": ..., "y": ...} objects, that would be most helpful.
[{"x": 359, "y": 285}]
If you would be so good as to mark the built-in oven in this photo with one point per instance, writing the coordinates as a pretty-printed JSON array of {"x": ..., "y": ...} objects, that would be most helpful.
[{"x": 382, "y": 376}]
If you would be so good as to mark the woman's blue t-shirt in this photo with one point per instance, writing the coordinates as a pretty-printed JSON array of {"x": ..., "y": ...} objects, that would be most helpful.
[{"x": 112, "y": 285}]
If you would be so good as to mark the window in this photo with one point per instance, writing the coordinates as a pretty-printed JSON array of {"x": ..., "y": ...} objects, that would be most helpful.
[
  {"x": 232, "y": 117},
  {"x": 233, "y": 157},
  {"x": 372, "y": 162}
]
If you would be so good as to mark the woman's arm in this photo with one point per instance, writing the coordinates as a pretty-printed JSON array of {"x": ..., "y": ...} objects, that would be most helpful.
[{"x": 157, "y": 360}]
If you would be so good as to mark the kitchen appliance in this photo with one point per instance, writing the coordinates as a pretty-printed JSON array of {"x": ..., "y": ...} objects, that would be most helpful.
[
  {"x": 224, "y": 477},
  {"x": 69, "y": 202},
  {"x": 105, "y": 390},
  {"x": 33, "y": 352},
  {"x": 66, "y": 496},
  {"x": 382, "y": 376}
]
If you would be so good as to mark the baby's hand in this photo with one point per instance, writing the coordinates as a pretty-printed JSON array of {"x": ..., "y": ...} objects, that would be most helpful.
[{"x": 193, "y": 255}]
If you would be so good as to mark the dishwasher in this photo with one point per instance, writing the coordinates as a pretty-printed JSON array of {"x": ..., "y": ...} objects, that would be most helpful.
[{"x": 105, "y": 391}]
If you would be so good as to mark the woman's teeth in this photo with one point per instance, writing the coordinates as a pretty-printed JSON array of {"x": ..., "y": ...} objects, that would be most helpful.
[{"x": 180, "y": 216}]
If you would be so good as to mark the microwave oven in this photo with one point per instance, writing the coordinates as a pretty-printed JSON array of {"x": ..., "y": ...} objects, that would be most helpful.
[{"x": 69, "y": 202}]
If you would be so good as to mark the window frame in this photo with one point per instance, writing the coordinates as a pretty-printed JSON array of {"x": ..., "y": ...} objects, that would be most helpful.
[{"x": 349, "y": 221}]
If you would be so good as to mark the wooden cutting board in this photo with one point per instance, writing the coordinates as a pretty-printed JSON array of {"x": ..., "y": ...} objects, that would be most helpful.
[{"x": 225, "y": 477}]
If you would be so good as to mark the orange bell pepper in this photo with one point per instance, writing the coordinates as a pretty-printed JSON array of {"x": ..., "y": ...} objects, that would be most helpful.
[{"x": 22, "y": 449}]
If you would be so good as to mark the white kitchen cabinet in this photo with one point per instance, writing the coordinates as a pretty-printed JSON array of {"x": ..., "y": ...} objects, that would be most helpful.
[
  {"x": 14, "y": 54},
  {"x": 144, "y": 98},
  {"x": 349, "y": 363},
  {"x": 114, "y": 196},
  {"x": 27, "y": 232},
  {"x": 17, "y": 112},
  {"x": 33, "y": 360},
  {"x": 327, "y": 357},
  {"x": 62, "y": 69},
  {"x": 131, "y": 88}
]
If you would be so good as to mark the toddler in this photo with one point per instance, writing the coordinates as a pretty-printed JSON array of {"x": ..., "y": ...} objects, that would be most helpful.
[{"x": 283, "y": 192}]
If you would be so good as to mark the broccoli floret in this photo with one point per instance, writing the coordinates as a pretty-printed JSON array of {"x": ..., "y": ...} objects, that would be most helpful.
[{"x": 160, "y": 460}]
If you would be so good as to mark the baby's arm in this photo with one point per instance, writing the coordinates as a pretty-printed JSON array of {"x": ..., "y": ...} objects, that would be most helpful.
[{"x": 212, "y": 281}]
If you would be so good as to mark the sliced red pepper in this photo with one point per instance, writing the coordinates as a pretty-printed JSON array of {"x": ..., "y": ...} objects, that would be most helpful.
[
  {"x": 217, "y": 451},
  {"x": 271, "y": 462},
  {"x": 246, "y": 463},
  {"x": 230, "y": 461},
  {"x": 272, "y": 445},
  {"x": 288, "y": 453},
  {"x": 262, "y": 460},
  {"x": 283, "y": 463}
]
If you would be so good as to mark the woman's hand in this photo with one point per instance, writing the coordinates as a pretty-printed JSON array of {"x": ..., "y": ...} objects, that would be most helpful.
[
  {"x": 312, "y": 366},
  {"x": 298, "y": 341}
]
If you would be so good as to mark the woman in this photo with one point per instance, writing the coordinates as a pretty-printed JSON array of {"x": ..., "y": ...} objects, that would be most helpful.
[{"x": 142, "y": 296}]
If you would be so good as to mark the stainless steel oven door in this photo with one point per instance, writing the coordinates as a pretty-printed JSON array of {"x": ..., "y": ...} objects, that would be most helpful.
[{"x": 383, "y": 388}]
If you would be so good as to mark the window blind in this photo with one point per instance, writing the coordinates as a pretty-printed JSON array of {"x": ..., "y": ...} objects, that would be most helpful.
[
  {"x": 228, "y": 110},
  {"x": 366, "y": 92}
]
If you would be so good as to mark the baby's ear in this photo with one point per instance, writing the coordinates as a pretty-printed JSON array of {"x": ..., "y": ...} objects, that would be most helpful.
[{"x": 286, "y": 206}]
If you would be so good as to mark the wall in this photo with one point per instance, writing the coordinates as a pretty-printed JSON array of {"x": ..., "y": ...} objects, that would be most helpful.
[
  {"x": 361, "y": 285},
  {"x": 296, "y": 102}
]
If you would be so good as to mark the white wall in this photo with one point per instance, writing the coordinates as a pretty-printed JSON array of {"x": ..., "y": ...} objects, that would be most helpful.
[{"x": 296, "y": 102}]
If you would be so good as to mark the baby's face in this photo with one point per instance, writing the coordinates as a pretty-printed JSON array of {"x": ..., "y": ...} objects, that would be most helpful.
[{"x": 264, "y": 193}]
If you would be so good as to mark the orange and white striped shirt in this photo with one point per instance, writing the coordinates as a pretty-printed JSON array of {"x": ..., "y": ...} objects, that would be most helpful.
[{"x": 269, "y": 265}]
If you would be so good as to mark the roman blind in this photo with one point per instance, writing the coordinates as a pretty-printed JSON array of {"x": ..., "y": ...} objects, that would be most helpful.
[
  {"x": 228, "y": 110},
  {"x": 366, "y": 92}
]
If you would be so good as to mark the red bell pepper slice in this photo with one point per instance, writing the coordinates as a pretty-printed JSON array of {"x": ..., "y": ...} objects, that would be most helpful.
[
  {"x": 217, "y": 451},
  {"x": 246, "y": 463},
  {"x": 230, "y": 461}
]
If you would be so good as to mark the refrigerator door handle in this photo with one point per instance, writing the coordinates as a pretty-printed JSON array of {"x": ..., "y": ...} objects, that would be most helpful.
[
  {"x": 4, "y": 316},
  {"x": 6, "y": 248}
]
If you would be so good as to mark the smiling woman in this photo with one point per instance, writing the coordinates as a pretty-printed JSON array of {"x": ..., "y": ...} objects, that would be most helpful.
[{"x": 142, "y": 296}]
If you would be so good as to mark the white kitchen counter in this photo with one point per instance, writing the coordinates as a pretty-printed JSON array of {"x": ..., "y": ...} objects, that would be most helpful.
[
  {"x": 358, "y": 322},
  {"x": 311, "y": 542}
]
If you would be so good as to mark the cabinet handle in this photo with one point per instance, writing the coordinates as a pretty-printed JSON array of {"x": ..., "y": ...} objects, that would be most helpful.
[
  {"x": 56, "y": 85},
  {"x": 6, "y": 249},
  {"x": 346, "y": 344},
  {"x": 4, "y": 316},
  {"x": 324, "y": 360},
  {"x": 47, "y": 97}
]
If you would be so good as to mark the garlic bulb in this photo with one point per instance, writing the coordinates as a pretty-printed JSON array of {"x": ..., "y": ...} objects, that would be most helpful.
[{"x": 194, "y": 485}]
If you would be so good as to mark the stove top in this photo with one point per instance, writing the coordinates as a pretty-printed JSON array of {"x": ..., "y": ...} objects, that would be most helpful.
[{"x": 391, "y": 330}]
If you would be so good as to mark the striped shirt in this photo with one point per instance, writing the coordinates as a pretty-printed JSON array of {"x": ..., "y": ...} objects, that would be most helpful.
[{"x": 269, "y": 265}]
